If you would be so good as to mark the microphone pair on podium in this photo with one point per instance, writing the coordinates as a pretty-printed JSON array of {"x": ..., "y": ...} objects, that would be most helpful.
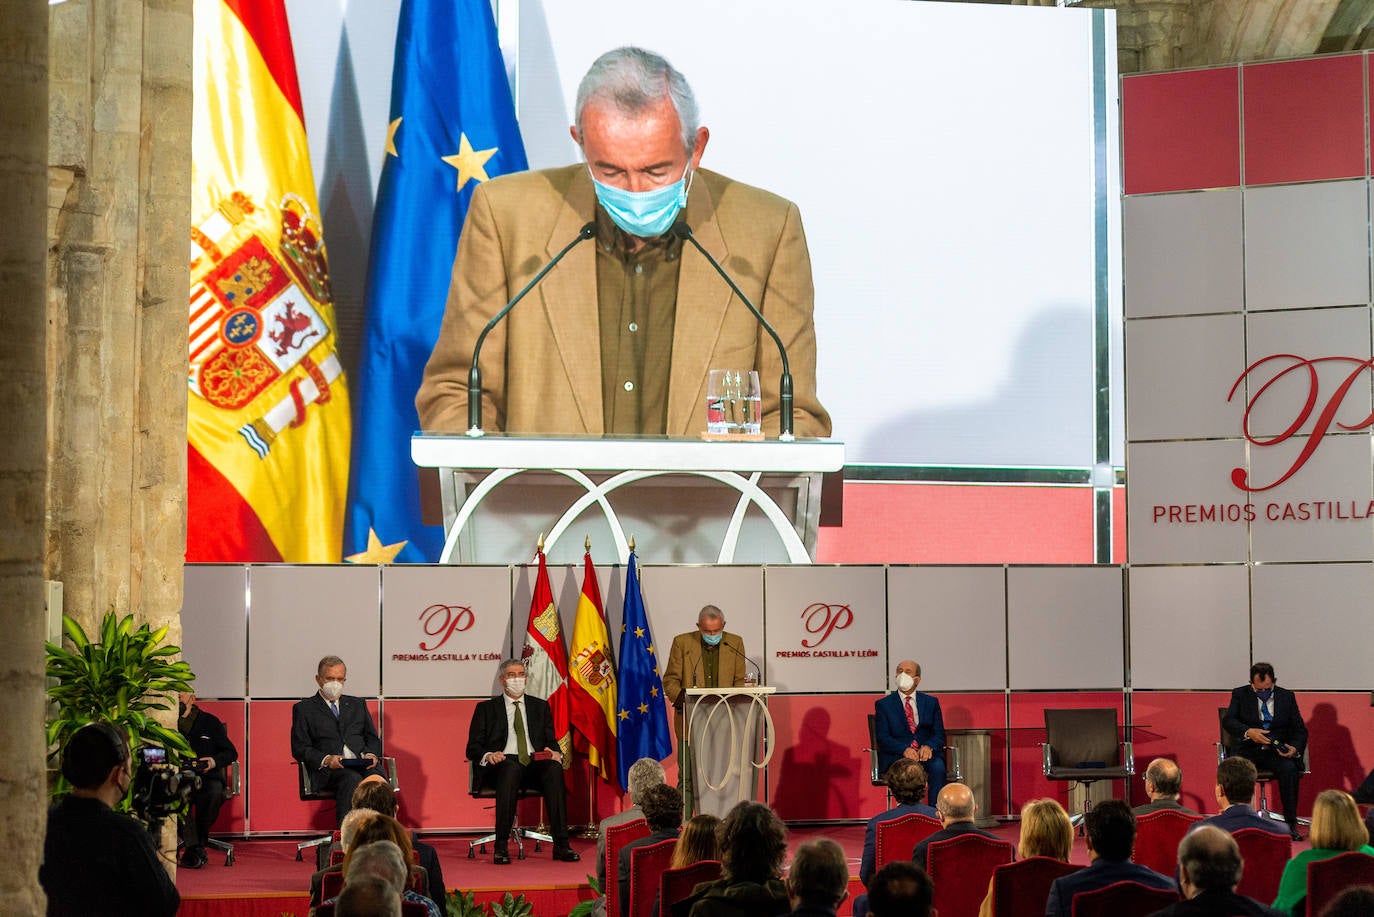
[
  {"x": 751, "y": 679},
  {"x": 683, "y": 232}
]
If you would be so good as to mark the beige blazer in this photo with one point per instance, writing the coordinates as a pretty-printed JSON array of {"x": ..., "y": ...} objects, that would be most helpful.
[{"x": 541, "y": 368}]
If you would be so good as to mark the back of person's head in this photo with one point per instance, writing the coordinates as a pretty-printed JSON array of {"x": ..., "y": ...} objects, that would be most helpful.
[
  {"x": 91, "y": 753},
  {"x": 1336, "y": 823},
  {"x": 1111, "y": 829},
  {"x": 1356, "y": 901},
  {"x": 955, "y": 803},
  {"x": 381, "y": 828},
  {"x": 1165, "y": 776},
  {"x": 368, "y": 897},
  {"x": 753, "y": 842},
  {"x": 354, "y": 820},
  {"x": 376, "y": 794},
  {"x": 1045, "y": 831},
  {"x": 907, "y": 781},
  {"x": 698, "y": 841},
  {"x": 1236, "y": 776},
  {"x": 379, "y": 860},
  {"x": 900, "y": 889},
  {"x": 662, "y": 807},
  {"x": 1209, "y": 859},
  {"x": 644, "y": 773},
  {"x": 819, "y": 873}
]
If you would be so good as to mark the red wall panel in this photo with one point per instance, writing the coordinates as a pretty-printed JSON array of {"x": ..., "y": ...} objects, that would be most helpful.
[
  {"x": 1304, "y": 119},
  {"x": 1181, "y": 131},
  {"x": 234, "y": 714}
]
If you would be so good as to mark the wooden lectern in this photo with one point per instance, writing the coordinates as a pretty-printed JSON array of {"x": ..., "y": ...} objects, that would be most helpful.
[{"x": 723, "y": 727}]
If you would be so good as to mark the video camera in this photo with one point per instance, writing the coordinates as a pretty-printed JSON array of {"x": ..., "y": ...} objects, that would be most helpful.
[{"x": 160, "y": 788}]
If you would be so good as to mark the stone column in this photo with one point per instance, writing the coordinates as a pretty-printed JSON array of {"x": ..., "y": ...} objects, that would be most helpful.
[{"x": 23, "y": 201}]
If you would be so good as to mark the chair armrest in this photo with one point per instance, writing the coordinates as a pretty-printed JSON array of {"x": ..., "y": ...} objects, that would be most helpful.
[
  {"x": 234, "y": 785},
  {"x": 1128, "y": 756},
  {"x": 1221, "y": 751},
  {"x": 1047, "y": 758},
  {"x": 953, "y": 764},
  {"x": 391, "y": 777}
]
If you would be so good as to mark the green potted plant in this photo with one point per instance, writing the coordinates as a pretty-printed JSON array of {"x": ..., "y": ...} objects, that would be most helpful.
[{"x": 118, "y": 680}]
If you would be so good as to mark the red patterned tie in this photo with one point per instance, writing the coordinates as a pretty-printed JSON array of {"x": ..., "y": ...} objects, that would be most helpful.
[{"x": 910, "y": 716}]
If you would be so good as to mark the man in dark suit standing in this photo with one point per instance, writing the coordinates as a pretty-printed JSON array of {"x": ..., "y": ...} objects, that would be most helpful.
[
  {"x": 1266, "y": 725},
  {"x": 1111, "y": 838},
  {"x": 333, "y": 733},
  {"x": 909, "y": 725},
  {"x": 511, "y": 739}
]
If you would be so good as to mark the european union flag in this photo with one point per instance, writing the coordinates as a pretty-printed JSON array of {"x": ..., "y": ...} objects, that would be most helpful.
[
  {"x": 642, "y": 716},
  {"x": 452, "y": 127}
]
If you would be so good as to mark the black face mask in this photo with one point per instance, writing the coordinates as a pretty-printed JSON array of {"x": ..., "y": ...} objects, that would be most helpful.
[{"x": 181, "y": 709}]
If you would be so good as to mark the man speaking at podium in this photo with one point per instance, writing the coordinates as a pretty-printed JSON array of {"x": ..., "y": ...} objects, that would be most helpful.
[{"x": 620, "y": 337}]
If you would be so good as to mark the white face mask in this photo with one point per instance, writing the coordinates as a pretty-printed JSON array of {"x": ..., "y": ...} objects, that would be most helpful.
[
  {"x": 332, "y": 690},
  {"x": 515, "y": 687},
  {"x": 905, "y": 682}
]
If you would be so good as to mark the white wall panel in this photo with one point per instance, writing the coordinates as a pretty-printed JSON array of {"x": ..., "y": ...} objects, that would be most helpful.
[
  {"x": 1064, "y": 628},
  {"x": 1189, "y": 479},
  {"x": 827, "y": 629},
  {"x": 1183, "y": 253},
  {"x": 1179, "y": 373},
  {"x": 1307, "y": 245},
  {"x": 1323, "y": 512},
  {"x": 951, "y": 620},
  {"x": 214, "y": 629},
  {"x": 1190, "y": 626},
  {"x": 1312, "y": 622}
]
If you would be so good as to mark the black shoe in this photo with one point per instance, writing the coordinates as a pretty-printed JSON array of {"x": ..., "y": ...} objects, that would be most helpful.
[
  {"x": 194, "y": 857},
  {"x": 1294, "y": 833},
  {"x": 566, "y": 855},
  {"x": 500, "y": 858}
]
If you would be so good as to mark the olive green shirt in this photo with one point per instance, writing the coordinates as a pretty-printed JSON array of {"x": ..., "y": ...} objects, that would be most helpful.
[{"x": 710, "y": 665}]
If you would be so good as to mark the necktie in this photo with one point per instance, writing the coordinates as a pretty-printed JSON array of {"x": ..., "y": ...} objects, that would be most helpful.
[
  {"x": 910, "y": 716},
  {"x": 1266, "y": 714},
  {"x": 522, "y": 747},
  {"x": 334, "y": 709}
]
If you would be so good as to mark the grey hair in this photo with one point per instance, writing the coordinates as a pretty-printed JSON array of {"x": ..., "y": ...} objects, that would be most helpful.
[
  {"x": 348, "y": 828},
  {"x": 381, "y": 859},
  {"x": 506, "y": 664},
  {"x": 710, "y": 613},
  {"x": 366, "y": 895},
  {"x": 328, "y": 662},
  {"x": 644, "y": 773},
  {"x": 633, "y": 79}
]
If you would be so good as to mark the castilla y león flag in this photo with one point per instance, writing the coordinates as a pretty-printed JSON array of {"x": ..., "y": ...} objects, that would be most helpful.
[
  {"x": 546, "y": 660},
  {"x": 268, "y": 424}
]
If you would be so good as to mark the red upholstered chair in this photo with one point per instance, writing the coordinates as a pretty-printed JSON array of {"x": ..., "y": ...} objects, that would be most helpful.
[
  {"x": 331, "y": 883},
  {"x": 1328, "y": 878},
  {"x": 677, "y": 884},
  {"x": 618, "y": 836},
  {"x": 1122, "y": 899},
  {"x": 414, "y": 909},
  {"x": 1264, "y": 853},
  {"x": 647, "y": 864},
  {"x": 324, "y": 910},
  {"x": 897, "y": 837},
  {"x": 960, "y": 869},
  {"x": 1156, "y": 838},
  {"x": 1017, "y": 886}
]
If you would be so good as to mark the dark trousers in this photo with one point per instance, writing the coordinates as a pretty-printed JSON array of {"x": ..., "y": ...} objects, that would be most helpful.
[
  {"x": 508, "y": 777},
  {"x": 342, "y": 782},
  {"x": 1286, "y": 771},
  {"x": 205, "y": 806},
  {"x": 935, "y": 774}
]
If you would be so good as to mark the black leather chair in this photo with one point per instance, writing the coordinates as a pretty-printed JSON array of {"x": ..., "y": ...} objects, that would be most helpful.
[
  {"x": 308, "y": 793},
  {"x": 1082, "y": 746},
  {"x": 478, "y": 790},
  {"x": 233, "y": 786},
  {"x": 954, "y": 772}
]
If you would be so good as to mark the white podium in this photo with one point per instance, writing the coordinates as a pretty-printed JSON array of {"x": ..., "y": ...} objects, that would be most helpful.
[
  {"x": 723, "y": 727},
  {"x": 686, "y": 500}
]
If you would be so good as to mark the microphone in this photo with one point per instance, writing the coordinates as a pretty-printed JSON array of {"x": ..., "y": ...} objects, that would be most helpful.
[
  {"x": 757, "y": 671},
  {"x": 684, "y": 232},
  {"x": 475, "y": 372}
]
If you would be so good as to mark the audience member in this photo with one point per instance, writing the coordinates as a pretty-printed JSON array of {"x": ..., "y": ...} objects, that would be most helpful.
[
  {"x": 1268, "y": 729},
  {"x": 1209, "y": 869},
  {"x": 381, "y": 860},
  {"x": 819, "y": 878},
  {"x": 384, "y": 829},
  {"x": 368, "y": 897},
  {"x": 95, "y": 860},
  {"x": 1163, "y": 783},
  {"x": 1235, "y": 788},
  {"x": 907, "y": 781},
  {"x": 1357, "y": 901},
  {"x": 214, "y": 752},
  {"x": 662, "y": 806},
  {"x": 1111, "y": 838},
  {"x": 956, "y": 808},
  {"x": 333, "y": 733},
  {"x": 753, "y": 843},
  {"x": 699, "y": 840},
  {"x": 909, "y": 724},
  {"x": 512, "y": 740},
  {"x": 376, "y": 793},
  {"x": 901, "y": 889},
  {"x": 347, "y": 832},
  {"x": 644, "y": 773},
  {"x": 1336, "y": 829},
  {"x": 1045, "y": 832}
]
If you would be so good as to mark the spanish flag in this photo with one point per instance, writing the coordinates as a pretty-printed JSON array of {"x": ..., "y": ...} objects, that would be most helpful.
[
  {"x": 592, "y": 679},
  {"x": 268, "y": 425}
]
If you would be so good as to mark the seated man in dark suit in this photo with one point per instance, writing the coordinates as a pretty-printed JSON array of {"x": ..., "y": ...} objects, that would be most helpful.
[
  {"x": 1163, "y": 783},
  {"x": 511, "y": 739},
  {"x": 1111, "y": 838},
  {"x": 957, "y": 808},
  {"x": 901, "y": 889},
  {"x": 214, "y": 752},
  {"x": 333, "y": 733},
  {"x": 907, "y": 781},
  {"x": 909, "y": 725},
  {"x": 1236, "y": 778},
  {"x": 1268, "y": 729},
  {"x": 662, "y": 805},
  {"x": 1209, "y": 869}
]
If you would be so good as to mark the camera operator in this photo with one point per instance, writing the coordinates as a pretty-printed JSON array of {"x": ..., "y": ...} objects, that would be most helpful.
[
  {"x": 95, "y": 860},
  {"x": 214, "y": 752}
]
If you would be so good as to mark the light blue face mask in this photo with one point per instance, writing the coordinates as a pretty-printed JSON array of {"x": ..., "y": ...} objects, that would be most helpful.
[
  {"x": 644, "y": 213},
  {"x": 712, "y": 639}
]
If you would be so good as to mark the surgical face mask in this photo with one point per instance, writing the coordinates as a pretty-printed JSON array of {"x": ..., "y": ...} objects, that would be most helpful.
[
  {"x": 332, "y": 690},
  {"x": 713, "y": 639},
  {"x": 905, "y": 682},
  {"x": 644, "y": 213},
  {"x": 181, "y": 709},
  {"x": 515, "y": 687}
]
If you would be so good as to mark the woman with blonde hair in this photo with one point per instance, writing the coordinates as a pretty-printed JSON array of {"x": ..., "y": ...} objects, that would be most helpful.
[
  {"x": 1045, "y": 832},
  {"x": 1336, "y": 829}
]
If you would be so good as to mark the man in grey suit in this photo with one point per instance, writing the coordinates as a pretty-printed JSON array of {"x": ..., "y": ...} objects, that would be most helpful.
[{"x": 333, "y": 733}]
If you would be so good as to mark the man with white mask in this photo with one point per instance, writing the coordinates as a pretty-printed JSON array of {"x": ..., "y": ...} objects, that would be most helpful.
[
  {"x": 333, "y": 733},
  {"x": 511, "y": 740},
  {"x": 620, "y": 337},
  {"x": 909, "y": 725}
]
